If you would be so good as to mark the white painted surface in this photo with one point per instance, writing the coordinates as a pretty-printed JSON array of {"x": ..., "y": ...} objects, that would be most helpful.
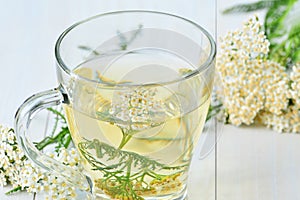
[{"x": 253, "y": 163}]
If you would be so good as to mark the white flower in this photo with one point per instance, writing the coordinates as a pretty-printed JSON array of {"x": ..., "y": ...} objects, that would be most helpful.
[
  {"x": 132, "y": 109},
  {"x": 289, "y": 119},
  {"x": 17, "y": 170},
  {"x": 11, "y": 157},
  {"x": 285, "y": 122},
  {"x": 295, "y": 84},
  {"x": 3, "y": 179},
  {"x": 250, "y": 83},
  {"x": 35, "y": 179}
]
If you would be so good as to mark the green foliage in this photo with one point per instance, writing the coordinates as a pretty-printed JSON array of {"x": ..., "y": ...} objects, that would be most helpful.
[
  {"x": 89, "y": 49},
  {"x": 213, "y": 111},
  {"x": 118, "y": 177},
  {"x": 124, "y": 42},
  {"x": 60, "y": 139},
  {"x": 108, "y": 152},
  {"x": 14, "y": 190},
  {"x": 240, "y": 8}
]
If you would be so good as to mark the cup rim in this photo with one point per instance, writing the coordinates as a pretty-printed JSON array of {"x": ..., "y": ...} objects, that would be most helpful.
[{"x": 208, "y": 62}]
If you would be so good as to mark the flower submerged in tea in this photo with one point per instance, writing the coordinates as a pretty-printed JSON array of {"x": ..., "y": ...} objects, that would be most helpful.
[
  {"x": 133, "y": 176},
  {"x": 126, "y": 173}
]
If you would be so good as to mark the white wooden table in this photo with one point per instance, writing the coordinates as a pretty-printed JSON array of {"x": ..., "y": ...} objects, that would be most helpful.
[{"x": 252, "y": 163}]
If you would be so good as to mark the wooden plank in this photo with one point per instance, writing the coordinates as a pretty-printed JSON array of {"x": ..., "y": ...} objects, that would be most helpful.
[{"x": 257, "y": 163}]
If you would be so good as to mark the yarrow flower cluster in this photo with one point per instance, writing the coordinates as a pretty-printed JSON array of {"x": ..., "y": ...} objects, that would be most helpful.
[
  {"x": 134, "y": 109},
  {"x": 12, "y": 157},
  {"x": 289, "y": 120},
  {"x": 295, "y": 84},
  {"x": 255, "y": 88},
  {"x": 17, "y": 170}
]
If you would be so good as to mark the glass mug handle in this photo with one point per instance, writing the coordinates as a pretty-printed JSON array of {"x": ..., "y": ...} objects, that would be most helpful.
[{"x": 23, "y": 118}]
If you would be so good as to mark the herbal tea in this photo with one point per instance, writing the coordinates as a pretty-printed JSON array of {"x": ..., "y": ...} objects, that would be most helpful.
[
  {"x": 135, "y": 86},
  {"x": 136, "y": 142}
]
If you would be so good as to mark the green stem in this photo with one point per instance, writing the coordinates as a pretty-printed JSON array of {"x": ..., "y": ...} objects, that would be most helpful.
[
  {"x": 68, "y": 141},
  {"x": 125, "y": 139},
  {"x": 19, "y": 188},
  {"x": 86, "y": 48},
  {"x": 59, "y": 138},
  {"x": 213, "y": 111},
  {"x": 129, "y": 163},
  {"x": 58, "y": 114}
]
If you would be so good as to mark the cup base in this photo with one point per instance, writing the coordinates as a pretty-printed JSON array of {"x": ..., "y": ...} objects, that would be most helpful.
[{"x": 182, "y": 195}]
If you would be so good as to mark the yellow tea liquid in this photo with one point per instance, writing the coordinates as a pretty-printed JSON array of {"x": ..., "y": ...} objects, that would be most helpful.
[{"x": 136, "y": 142}]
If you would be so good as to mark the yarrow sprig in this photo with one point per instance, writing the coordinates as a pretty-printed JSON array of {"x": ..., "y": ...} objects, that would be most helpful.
[
  {"x": 131, "y": 175},
  {"x": 255, "y": 88},
  {"x": 289, "y": 119},
  {"x": 12, "y": 158},
  {"x": 33, "y": 179},
  {"x": 24, "y": 175}
]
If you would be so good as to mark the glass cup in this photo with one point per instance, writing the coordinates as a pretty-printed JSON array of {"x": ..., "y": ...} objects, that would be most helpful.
[{"x": 135, "y": 87}]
